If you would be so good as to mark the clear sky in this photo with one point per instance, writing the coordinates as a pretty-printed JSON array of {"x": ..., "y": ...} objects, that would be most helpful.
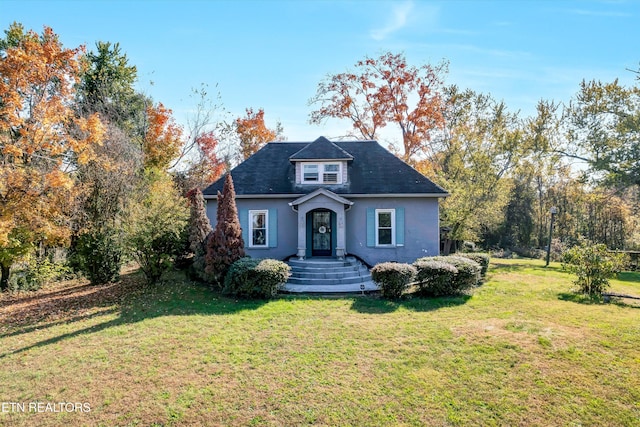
[{"x": 272, "y": 54}]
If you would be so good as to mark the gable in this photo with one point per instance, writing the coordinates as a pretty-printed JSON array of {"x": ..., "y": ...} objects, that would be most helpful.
[
  {"x": 321, "y": 192},
  {"x": 321, "y": 149}
]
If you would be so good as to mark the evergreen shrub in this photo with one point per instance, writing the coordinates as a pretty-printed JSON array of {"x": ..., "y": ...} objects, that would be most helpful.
[
  {"x": 98, "y": 255},
  {"x": 468, "y": 275},
  {"x": 481, "y": 258},
  {"x": 393, "y": 278},
  {"x": 435, "y": 278},
  {"x": 255, "y": 278}
]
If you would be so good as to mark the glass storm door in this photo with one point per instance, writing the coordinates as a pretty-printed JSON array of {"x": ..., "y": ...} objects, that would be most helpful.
[{"x": 321, "y": 233}]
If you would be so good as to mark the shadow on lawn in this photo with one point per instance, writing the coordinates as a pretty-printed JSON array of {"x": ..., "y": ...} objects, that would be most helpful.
[
  {"x": 629, "y": 276},
  {"x": 131, "y": 298},
  {"x": 371, "y": 305},
  {"x": 499, "y": 265},
  {"x": 587, "y": 300}
]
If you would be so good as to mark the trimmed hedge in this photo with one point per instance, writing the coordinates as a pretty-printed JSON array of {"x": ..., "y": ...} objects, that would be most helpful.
[
  {"x": 255, "y": 278},
  {"x": 393, "y": 278},
  {"x": 468, "y": 275},
  {"x": 435, "y": 278},
  {"x": 481, "y": 258}
]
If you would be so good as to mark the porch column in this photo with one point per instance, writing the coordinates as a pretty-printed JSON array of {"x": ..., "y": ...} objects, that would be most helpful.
[
  {"x": 302, "y": 234},
  {"x": 341, "y": 234}
]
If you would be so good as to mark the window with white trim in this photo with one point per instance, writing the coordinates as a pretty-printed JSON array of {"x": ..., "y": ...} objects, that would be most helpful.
[
  {"x": 310, "y": 173},
  {"x": 385, "y": 227},
  {"x": 322, "y": 173},
  {"x": 331, "y": 172},
  {"x": 258, "y": 233}
]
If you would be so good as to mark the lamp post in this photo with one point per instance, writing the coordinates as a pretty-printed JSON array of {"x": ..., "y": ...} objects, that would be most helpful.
[{"x": 553, "y": 211}]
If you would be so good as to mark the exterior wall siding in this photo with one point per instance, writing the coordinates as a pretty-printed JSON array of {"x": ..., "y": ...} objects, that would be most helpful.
[
  {"x": 287, "y": 232},
  {"x": 298, "y": 173},
  {"x": 421, "y": 228}
]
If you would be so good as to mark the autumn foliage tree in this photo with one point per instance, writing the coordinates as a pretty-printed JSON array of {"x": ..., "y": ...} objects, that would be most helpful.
[
  {"x": 162, "y": 139},
  {"x": 212, "y": 166},
  {"x": 253, "y": 133},
  {"x": 41, "y": 139},
  {"x": 225, "y": 245},
  {"x": 383, "y": 91}
]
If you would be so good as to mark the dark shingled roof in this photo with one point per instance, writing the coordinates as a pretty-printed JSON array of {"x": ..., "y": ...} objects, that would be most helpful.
[
  {"x": 373, "y": 170},
  {"x": 321, "y": 149}
]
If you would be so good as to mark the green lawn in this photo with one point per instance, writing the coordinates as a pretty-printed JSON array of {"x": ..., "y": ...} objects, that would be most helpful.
[{"x": 520, "y": 350}]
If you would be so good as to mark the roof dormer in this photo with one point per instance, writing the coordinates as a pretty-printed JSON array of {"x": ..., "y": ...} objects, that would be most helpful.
[{"x": 321, "y": 163}]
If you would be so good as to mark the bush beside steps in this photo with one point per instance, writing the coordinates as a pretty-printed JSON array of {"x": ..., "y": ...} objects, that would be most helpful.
[
  {"x": 255, "y": 278},
  {"x": 433, "y": 276},
  {"x": 393, "y": 278}
]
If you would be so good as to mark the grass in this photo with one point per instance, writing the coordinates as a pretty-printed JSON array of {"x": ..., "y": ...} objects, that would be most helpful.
[{"x": 521, "y": 350}]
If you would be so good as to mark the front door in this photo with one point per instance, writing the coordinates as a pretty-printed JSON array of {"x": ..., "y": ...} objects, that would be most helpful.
[{"x": 320, "y": 233}]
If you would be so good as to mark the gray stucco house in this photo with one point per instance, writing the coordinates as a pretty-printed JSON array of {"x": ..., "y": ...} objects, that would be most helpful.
[
  {"x": 333, "y": 199},
  {"x": 326, "y": 204}
]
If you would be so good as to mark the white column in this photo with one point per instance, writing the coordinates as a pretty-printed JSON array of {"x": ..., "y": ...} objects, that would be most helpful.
[
  {"x": 341, "y": 237},
  {"x": 302, "y": 234}
]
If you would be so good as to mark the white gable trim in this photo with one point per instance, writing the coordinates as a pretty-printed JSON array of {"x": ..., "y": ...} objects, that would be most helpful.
[{"x": 318, "y": 192}]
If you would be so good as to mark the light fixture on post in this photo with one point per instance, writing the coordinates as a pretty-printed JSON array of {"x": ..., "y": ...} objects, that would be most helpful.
[{"x": 553, "y": 211}]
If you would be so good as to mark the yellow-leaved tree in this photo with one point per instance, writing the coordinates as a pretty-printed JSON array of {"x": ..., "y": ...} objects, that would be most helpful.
[{"x": 41, "y": 141}]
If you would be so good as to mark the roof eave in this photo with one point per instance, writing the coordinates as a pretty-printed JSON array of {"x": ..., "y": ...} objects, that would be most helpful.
[
  {"x": 353, "y": 196},
  {"x": 345, "y": 159},
  {"x": 400, "y": 195}
]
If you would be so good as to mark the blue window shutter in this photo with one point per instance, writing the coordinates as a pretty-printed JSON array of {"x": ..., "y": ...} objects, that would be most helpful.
[
  {"x": 371, "y": 227},
  {"x": 243, "y": 215},
  {"x": 399, "y": 226},
  {"x": 273, "y": 228}
]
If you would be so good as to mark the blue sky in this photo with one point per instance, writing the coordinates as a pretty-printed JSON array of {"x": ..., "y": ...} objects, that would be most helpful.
[{"x": 272, "y": 54}]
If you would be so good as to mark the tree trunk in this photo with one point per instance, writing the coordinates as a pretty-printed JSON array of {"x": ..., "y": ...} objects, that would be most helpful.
[
  {"x": 4, "y": 279},
  {"x": 446, "y": 250}
]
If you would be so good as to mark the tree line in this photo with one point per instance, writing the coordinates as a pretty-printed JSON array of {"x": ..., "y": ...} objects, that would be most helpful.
[
  {"x": 504, "y": 171},
  {"x": 90, "y": 164}
]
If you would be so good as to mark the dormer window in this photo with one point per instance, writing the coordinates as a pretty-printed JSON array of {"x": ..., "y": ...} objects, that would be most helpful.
[
  {"x": 310, "y": 173},
  {"x": 322, "y": 173},
  {"x": 330, "y": 175}
]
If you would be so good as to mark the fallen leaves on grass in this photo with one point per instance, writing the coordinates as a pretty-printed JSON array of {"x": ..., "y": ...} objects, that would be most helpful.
[{"x": 61, "y": 301}]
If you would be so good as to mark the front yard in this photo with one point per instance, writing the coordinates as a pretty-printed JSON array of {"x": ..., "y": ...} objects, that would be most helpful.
[{"x": 520, "y": 350}]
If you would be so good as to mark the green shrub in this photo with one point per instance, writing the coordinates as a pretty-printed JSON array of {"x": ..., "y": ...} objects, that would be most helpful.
[
  {"x": 393, "y": 278},
  {"x": 255, "y": 278},
  {"x": 38, "y": 273},
  {"x": 481, "y": 258},
  {"x": 435, "y": 278},
  {"x": 155, "y": 226},
  {"x": 593, "y": 265},
  {"x": 98, "y": 255},
  {"x": 468, "y": 274}
]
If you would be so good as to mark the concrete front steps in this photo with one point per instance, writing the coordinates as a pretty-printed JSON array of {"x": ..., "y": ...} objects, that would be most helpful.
[{"x": 328, "y": 275}]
